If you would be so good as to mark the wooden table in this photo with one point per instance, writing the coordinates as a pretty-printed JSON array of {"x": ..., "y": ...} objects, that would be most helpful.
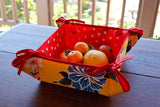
[{"x": 143, "y": 73}]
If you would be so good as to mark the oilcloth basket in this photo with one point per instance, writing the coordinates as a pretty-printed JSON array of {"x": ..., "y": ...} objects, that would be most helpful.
[{"x": 45, "y": 65}]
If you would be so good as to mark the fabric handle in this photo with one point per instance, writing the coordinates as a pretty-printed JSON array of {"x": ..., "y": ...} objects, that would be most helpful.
[
  {"x": 73, "y": 24},
  {"x": 135, "y": 31},
  {"x": 63, "y": 20},
  {"x": 74, "y": 21}
]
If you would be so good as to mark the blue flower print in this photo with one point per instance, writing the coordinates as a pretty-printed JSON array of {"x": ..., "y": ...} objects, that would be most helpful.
[{"x": 82, "y": 81}]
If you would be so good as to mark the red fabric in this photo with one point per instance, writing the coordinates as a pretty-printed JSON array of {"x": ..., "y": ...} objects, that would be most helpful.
[
  {"x": 61, "y": 19},
  {"x": 69, "y": 34},
  {"x": 135, "y": 31},
  {"x": 22, "y": 56},
  {"x": 74, "y": 21}
]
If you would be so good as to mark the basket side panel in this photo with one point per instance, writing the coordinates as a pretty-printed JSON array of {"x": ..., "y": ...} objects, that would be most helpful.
[
  {"x": 71, "y": 76},
  {"x": 128, "y": 45},
  {"x": 55, "y": 44}
]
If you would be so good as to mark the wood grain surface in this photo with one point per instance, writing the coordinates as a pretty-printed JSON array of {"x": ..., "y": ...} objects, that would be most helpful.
[{"x": 25, "y": 91}]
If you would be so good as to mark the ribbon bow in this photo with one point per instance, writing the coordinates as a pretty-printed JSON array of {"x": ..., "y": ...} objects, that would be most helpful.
[
  {"x": 114, "y": 68},
  {"x": 22, "y": 56}
]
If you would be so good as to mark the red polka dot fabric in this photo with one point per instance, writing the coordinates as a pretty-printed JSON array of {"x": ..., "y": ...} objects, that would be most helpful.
[{"x": 70, "y": 33}]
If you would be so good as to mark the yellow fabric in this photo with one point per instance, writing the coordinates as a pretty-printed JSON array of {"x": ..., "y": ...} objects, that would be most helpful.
[
  {"x": 123, "y": 53},
  {"x": 48, "y": 71}
]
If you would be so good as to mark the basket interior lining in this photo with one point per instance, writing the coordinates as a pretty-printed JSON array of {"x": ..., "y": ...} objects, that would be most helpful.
[{"x": 68, "y": 35}]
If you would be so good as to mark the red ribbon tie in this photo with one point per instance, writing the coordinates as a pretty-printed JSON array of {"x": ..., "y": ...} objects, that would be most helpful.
[
  {"x": 114, "y": 68},
  {"x": 22, "y": 56}
]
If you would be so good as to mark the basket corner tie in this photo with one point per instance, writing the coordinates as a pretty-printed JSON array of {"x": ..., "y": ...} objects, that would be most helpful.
[
  {"x": 22, "y": 56},
  {"x": 114, "y": 68},
  {"x": 135, "y": 31}
]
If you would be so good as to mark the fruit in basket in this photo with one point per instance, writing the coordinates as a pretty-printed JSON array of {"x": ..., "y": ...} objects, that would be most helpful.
[
  {"x": 75, "y": 56},
  {"x": 104, "y": 48},
  {"x": 95, "y": 57},
  {"x": 64, "y": 55},
  {"x": 82, "y": 47},
  {"x": 108, "y": 52}
]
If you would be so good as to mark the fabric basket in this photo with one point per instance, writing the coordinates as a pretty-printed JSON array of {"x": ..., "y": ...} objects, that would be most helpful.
[{"x": 44, "y": 64}]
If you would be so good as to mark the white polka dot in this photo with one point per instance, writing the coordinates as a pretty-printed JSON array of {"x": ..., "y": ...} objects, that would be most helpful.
[
  {"x": 48, "y": 41},
  {"x": 110, "y": 38},
  {"x": 57, "y": 45},
  {"x": 103, "y": 39},
  {"x": 99, "y": 34},
  {"x": 84, "y": 29},
  {"x": 94, "y": 29},
  {"x": 60, "y": 40},
  {"x": 50, "y": 54},
  {"x": 46, "y": 49},
  {"x": 85, "y": 36},
  {"x": 54, "y": 39},
  {"x": 78, "y": 30},
  {"x": 52, "y": 48},
  {"x": 117, "y": 37},
  {"x": 92, "y": 36},
  {"x": 42, "y": 51},
  {"x": 105, "y": 32},
  {"x": 57, "y": 34}
]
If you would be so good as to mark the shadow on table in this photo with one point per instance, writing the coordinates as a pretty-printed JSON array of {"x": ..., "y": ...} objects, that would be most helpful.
[{"x": 58, "y": 96}]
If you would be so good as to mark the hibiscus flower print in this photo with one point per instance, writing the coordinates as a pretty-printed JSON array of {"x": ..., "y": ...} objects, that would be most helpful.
[
  {"x": 82, "y": 81},
  {"x": 33, "y": 62}
]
